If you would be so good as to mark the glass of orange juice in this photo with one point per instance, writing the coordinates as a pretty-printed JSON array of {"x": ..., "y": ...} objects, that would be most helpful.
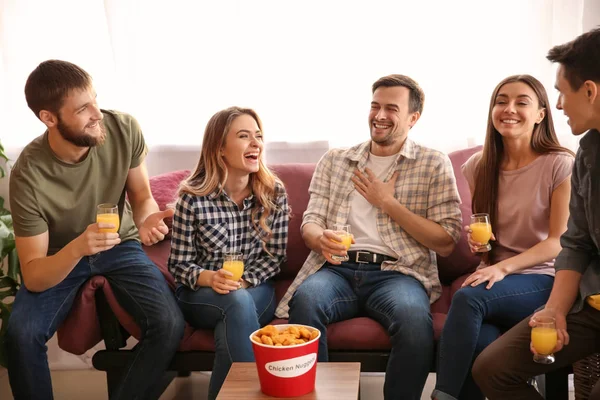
[
  {"x": 108, "y": 213},
  {"x": 481, "y": 231},
  {"x": 543, "y": 339},
  {"x": 343, "y": 231},
  {"x": 234, "y": 263}
]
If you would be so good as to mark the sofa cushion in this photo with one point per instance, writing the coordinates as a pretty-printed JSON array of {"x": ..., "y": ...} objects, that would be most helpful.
[
  {"x": 296, "y": 178},
  {"x": 462, "y": 260},
  {"x": 164, "y": 189}
]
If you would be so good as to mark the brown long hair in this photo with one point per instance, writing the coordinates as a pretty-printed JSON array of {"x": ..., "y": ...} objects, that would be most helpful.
[
  {"x": 211, "y": 172},
  {"x": 543, "y": 140}
]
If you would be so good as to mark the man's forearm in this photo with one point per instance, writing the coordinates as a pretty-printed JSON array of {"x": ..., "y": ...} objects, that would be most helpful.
[
  {"x": 428, "y": 233},
  {"x": 143, "y": 209},
  {"x": 311, "y": 233},
  {"x": 46, "y": 272},
  {"x": 564, "y": 291}
]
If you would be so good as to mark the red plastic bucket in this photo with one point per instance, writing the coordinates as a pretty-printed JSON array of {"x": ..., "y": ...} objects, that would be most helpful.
[{"x": 287, "y": 371}]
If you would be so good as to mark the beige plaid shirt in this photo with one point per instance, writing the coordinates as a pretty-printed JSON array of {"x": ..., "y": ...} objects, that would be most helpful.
[{"x": 426, "y": 186}]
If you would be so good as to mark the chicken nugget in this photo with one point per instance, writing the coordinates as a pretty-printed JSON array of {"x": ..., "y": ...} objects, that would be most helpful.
[
  {"x": 266, "y": 340},
  {"x": 279, "y": 339},
  {"x": 294, "y": 331},
  {"x": 314, "y": 334},
  {"x": 256, "y": 339},
  {"x": 269, "y": 330},
  {"x": 305, "y": 333},
  {"x": 289, "y": 341}
]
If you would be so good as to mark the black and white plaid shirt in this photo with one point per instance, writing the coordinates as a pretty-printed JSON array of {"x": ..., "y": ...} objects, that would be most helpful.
[{"x": 206, "y": 226}]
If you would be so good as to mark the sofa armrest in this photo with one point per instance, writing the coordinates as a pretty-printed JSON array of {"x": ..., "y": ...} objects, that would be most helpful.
[
  {"x": 96, "y": 314},
  {"x": 113, "y": 333},
  {"x": 82, "y": 329}
]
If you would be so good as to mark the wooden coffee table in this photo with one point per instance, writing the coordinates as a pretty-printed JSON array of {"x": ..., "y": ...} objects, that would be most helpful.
[{"x": 335, "y": 381}]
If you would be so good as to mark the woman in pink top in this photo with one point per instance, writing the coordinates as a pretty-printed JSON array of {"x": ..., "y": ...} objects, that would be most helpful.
[{"x": 521, "y": 179}]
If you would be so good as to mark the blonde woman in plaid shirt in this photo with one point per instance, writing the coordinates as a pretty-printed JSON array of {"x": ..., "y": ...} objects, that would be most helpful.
[
  {"x": 232, "y": 202},
  {"x": 403, "y": 205}
]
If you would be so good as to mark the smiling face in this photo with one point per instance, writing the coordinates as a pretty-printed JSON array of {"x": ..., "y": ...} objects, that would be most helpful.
[
  {"x": 389, "y": 118},
  {"x": 79, "y": 120},
  {"x": 243, "y": 146},
  {"x": 516, "y": 110}
]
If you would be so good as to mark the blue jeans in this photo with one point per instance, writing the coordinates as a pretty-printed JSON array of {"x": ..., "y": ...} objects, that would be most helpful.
[
  {"x": 140, "y": 289},
  {"x": 233, "y": 316},
  {"x": 477, "y": 317},
  {"x": 398, "y": 302}
]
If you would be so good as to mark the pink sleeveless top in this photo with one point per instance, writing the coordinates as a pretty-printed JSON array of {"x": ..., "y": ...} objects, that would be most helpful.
[{"x": 524, "y": 197}]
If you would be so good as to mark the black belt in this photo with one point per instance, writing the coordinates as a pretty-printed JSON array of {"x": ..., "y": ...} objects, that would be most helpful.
[{"x": 366, "y": 257}]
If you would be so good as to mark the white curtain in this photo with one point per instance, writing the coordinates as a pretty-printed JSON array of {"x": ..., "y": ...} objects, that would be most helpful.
[{"x": 306, "y": 67}]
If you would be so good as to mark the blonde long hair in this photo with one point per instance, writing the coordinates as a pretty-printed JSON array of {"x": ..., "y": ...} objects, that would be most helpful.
[{"x": 210, "y": 174}]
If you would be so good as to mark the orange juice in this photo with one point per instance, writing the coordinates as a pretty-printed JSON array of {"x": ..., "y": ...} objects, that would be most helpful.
[
  {"x": 108, "y": 219},
  {"x": 236, "y": 267},
  {"x": 543, "y": 339},
  {"x": 481, "y": 232},
  {"x": 346, "y": 241}
]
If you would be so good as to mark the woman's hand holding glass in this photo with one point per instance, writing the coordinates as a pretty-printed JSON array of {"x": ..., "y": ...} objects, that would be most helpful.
[
  {"x": 221, "y": 281},
  {"x": 479, "y": 233}
]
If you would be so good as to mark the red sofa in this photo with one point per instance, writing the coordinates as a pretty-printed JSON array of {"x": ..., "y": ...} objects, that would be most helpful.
[{"x": 359, "y": 339}]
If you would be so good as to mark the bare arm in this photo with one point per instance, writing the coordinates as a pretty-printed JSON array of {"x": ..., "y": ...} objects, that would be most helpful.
[
  {"x": 311, "y": 233},
  {"x": 147, "y": 216},
  {"x": 41, "y": 272},
  {"x": 564, "y": 291},
  {"x": 140, "y": 196}
]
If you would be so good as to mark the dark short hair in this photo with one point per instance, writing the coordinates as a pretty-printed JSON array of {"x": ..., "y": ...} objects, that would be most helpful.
[
  {"x": 50, "y": 83},
  {"x": 580, "y": 58},
  {"x": 416, "y": 98}
]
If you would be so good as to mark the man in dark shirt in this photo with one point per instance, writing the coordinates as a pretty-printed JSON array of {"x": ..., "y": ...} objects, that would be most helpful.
[{"x": 503, "y": 369}]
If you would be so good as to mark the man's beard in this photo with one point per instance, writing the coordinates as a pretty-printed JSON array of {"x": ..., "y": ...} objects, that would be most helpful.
[{"x": 80, "y": 139}]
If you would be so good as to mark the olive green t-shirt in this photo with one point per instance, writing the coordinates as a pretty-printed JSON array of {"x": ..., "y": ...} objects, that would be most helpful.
[{"x": 47, "y": 194}]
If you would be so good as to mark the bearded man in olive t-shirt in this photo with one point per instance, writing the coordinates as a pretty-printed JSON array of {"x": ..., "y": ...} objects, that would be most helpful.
[{"x": 87, "y": 156}]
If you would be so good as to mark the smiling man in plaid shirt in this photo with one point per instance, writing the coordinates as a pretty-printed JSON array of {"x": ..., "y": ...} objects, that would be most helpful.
[{"x": 402, "y": 204}]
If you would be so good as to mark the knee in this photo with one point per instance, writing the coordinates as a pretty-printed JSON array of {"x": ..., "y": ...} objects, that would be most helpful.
[
  {"x": 412, "y": 325},
  {"x": 240, "y": 300},
  {"x": 465, "y": 298},
  {"x": 170, "y": 324},
  {"x": 306, "y": 301},
  {"x": 23, "y": 333}
]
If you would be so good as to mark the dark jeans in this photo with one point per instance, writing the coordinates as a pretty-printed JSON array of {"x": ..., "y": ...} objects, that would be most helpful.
[
  {"x": 476, "y": 318},
  {"x": 396, "y": 301},
  {"x": 233, "y": 316},
  {"x": 140, "y": 289},
  {"x": 503, "y": 368}
]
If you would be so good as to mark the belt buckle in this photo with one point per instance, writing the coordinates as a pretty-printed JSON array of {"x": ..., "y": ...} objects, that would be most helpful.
[{"x": 358, "y": 253}]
